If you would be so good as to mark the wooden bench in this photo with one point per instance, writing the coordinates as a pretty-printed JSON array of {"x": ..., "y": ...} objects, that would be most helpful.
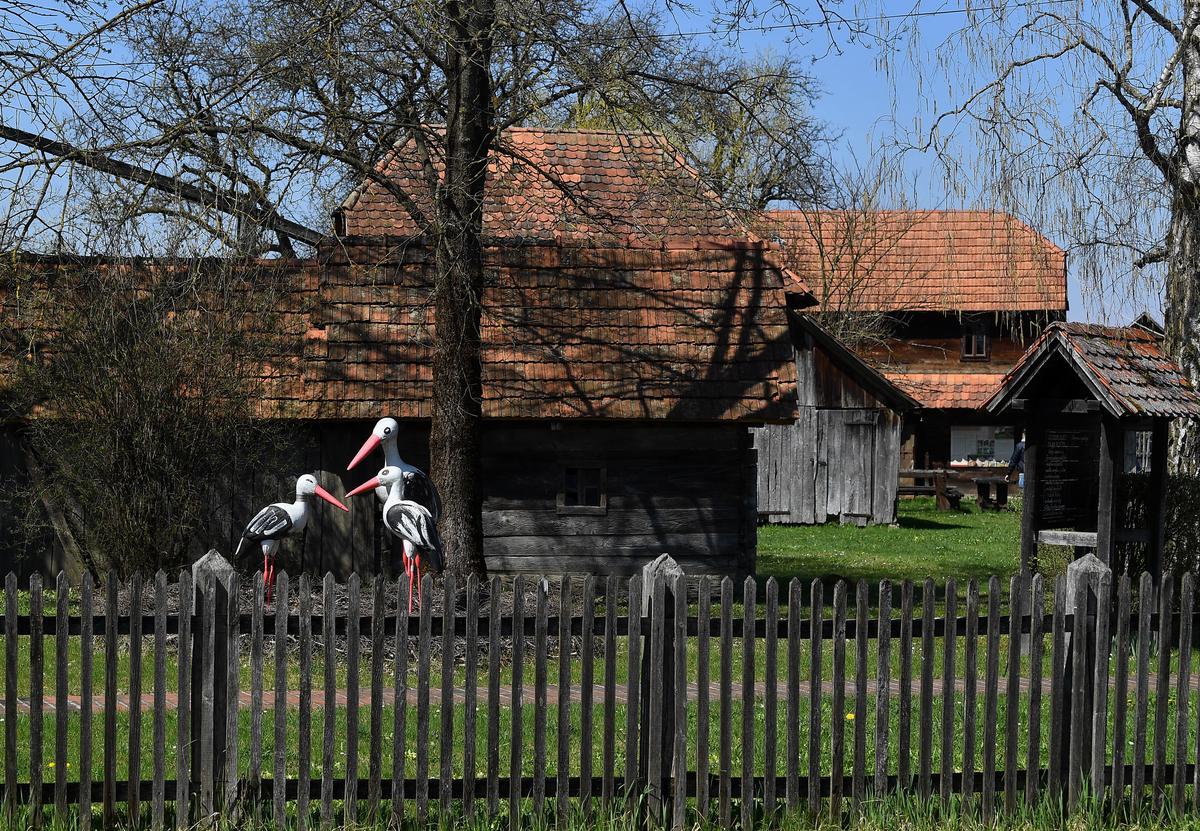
[{"x": 948, "y": 497}]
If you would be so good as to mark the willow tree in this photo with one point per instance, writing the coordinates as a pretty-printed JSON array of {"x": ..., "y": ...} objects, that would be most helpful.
[{"x": 1083, "y": 118}]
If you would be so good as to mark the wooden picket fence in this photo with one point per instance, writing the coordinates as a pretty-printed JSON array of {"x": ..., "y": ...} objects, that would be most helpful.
[{"x": 704, "y": 701}]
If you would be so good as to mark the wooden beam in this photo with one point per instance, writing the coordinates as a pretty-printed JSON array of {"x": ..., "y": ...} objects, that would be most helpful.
[
  {"x": 1083, "y": 539},
  {"x": 1157, "y": 501},
  {"x": 1035, "y": 435},
  {"x": 1056, "y": 405},
  {"x": 228, "y": 202},
  {"x": 1112, "y": 446}
]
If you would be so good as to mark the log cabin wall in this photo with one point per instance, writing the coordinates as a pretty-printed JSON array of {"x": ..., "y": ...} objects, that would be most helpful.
[
  {"x": 840, "y": 460},
  {"x": 684, "y": 489}
]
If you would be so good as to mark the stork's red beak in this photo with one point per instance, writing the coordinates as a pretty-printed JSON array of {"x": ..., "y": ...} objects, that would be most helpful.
[
  {"x": 330, "y": 498},
  {"x": 369, "y": 485},
  {"x": 370, "y": 444}
]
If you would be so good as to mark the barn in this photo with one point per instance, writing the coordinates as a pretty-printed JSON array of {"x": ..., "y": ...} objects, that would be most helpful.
[
  {"x": 840, "y": 459},
  {"x": 633, "y": 331}
]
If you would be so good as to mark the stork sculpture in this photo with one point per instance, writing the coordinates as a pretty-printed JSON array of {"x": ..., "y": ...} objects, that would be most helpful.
[
  {"x": 281, "y": 519},
  {"x": 409, "y": 520}
]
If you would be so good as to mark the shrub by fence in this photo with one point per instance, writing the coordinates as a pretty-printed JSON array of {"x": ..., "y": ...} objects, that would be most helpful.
[{"x": 705, "y": 700}]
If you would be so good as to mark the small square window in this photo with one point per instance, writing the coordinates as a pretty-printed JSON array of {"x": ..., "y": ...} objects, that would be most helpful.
[
  {"x": 975, "y": 346},
  {"x": 584, "y": 491}
]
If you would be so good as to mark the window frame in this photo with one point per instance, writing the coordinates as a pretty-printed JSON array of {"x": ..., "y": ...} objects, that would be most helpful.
[
  {"x": 973, "y": 334},
  {"x": 582, "y": 510}
]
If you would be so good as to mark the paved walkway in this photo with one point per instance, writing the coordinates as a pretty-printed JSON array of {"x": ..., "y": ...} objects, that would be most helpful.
[{"x": 73, "y": 702}]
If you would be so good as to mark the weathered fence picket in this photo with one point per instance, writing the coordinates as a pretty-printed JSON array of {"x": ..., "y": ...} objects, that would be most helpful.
[{"x": 1115, "y": 652}]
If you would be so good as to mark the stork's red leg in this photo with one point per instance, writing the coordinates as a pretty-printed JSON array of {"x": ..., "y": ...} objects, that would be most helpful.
[
  {"x": 417, "y": 571},
  {"x": 409, "y": 568}
]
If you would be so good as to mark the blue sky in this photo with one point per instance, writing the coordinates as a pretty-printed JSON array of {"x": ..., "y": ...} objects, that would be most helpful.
[{"x": 866, "y": 105}]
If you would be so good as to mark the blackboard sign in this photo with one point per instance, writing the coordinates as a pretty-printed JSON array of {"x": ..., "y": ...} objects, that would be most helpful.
[{"x": 1068, "y": 488}]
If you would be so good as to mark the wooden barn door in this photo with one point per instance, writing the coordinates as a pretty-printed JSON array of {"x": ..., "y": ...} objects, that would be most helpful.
[{"x": 845, "y": 463}]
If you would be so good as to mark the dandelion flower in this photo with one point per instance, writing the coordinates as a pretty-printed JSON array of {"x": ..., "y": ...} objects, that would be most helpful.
[{"x": 849, "y": 716}]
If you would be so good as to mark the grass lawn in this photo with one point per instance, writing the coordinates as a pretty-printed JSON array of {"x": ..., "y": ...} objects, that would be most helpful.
[{"x": 924, "y": 543}]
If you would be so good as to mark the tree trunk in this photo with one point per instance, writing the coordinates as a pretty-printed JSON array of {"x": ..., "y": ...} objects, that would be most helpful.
[{"x": 458, "y": 285}]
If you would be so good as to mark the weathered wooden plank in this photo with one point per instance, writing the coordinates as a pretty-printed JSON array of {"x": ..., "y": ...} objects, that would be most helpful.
[
  {"x": 1012, "y": 709},
  {"x": 1058, "y": 658},
  {"x": 400, "y": 697},
  {"x": 280, "y": 645},
  {"x": 703, "y": 628},
  {"x": 159, "y": 737},
  {"x": 1137, "y": 779},
  {"x": 1100, "y": 693},
  {"x": 771, "y": 699},
  {"x": 134, "y": 753},
  {"x": 110, "y": 702},
  {"x": 499, "y": 524},
  {"x": 586, "y": 691},
  {"x": 254, "y": 774},
  {"x": 749, "y": 659},
  {"x": 10, "y": 694},
  {"x": 375, "y": 748},
  {"x": 862, "y": 619},
  {"x": 329, "y": 717},
  {"x": 183, "y": 724},
  {"x": 353, "y": 667},
  {"x": 86, "y": 599},
  {"x": 470, "y": 695},
  {"x": 608, "y": 749},
  {"x": 540, "y": 648},
  {"x": 883, "y": 683},
  {"x": 991, "y": 696},
  {"x": 904, "y": 722},
  {"x": 61, "y": 629},
  {"x": 837, "y": 719},
  {"x": 493, "y": 729},
  {"x": 949, "y": 667},
  {"x": 925, "y": 777},
  {"x": 725, "y": 740},
  {"x": 233, "y": 665},
  {"x": 970, "y": 691},
  {"x": 207, "y": 699},
  {"x": 1033, "y": 756},
  {"x": 792, "y": 717},
  {"x": 516, "y": 746},
  {"x": 1183, "y": 687},
  {"x": 563, "y": 710},
  {"x": 36, "y": 699},
  {"x": 304, "y": 718},
  {"x": 1080, "y": 687},
  {"x": 815, "y": 694},
  {"x": 679, "y": 756},
  {"x": 1162, "y": 687},
  {"x": 1120, "y": 707},
  {"x": 446, "y": 699},
  {"x": 424, "y": 645}
]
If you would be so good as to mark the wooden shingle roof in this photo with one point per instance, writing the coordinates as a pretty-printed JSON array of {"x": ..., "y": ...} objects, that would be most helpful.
[
  {"x": 1125, "y": 368},
  {"x": 940, "y": 261}
]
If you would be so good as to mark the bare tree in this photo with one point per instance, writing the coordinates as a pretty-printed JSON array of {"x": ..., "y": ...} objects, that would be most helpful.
[{"x": 1084, "y": 118}]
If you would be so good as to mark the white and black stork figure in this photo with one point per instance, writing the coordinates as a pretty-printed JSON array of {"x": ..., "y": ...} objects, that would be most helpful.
[
  {"x": 416, "y": 486},
  {"x": 281, "y": 519},
  {"x": 412, "y": 522}
]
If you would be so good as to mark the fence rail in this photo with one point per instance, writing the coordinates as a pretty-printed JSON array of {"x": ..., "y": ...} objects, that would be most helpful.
[{"x": 705, "y": 700}]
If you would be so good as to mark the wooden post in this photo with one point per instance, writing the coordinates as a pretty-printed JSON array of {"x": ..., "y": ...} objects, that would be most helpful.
[
  {"x": 1157, "y": 502},
  {"x": 1084, "y": 577},
  {"x": 1034, "y": 436},
  {"x": 658, "y": 683},
  {"x": 212, "y": 581},
  {"x": 1111, "y": 450}
]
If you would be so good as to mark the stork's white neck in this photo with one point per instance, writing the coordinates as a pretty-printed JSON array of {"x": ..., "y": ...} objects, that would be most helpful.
[{"x": 391, "y": 455}]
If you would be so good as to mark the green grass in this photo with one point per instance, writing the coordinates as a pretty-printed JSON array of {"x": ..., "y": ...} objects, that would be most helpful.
[{"x": 924, "y": 543}]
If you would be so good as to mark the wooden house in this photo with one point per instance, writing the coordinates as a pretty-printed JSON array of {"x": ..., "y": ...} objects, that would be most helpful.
[
  {"x": 632, "y": 332},
  {"x": 840, "y": 459},
  {"x": 942, "y": 303}
]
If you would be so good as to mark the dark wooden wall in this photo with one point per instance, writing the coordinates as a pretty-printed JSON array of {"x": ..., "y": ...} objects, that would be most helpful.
[
  {"x": 840, "y": 460},
  {"x": 684, "y": 489}
]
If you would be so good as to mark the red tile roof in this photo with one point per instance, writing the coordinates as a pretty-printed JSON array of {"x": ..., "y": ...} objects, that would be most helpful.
[
  {"x": 612, "y": 333},
  {"x": 968, "y": 261},
  {"x": 1126, "y": 367},
  {"x": 564, "y": 185},
  {"x": 948, "y": 390}
]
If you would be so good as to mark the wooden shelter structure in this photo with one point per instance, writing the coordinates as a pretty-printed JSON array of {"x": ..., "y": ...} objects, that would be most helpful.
[
  {"x": 840, "y": 459},
  {"x": 1090, "y": 398}
]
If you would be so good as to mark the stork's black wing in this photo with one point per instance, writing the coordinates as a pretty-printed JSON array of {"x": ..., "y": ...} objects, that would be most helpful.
[
  {"x": 271, "y": 523},
  {"x": 419, "y": 488},
  {"x": 413, "y": 522}
]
